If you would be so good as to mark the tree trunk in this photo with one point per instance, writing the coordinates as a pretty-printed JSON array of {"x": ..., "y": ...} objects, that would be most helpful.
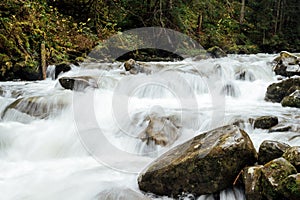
[
  {"x": 43, "y": 61},
  {"x": 199, "y": 23},
  {"x": 242, "y": 15},
  {"x": 277, "y": 16}
]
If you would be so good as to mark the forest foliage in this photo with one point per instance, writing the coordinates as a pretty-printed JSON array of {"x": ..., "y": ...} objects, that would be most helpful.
[{"x": 69, "y": 29}]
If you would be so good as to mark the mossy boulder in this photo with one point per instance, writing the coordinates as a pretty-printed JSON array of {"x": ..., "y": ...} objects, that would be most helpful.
[
  {"x": 292, "y": 154},
  {"x": 272, "y": 174},
  {"x": 270, "y": 150},
  {"x": 277, "y": 91},
  {"x": 290, "y": 187},
  {"x": 265, "y": 122},
  {"x": 293, "y": 100},
  {"x": 252, "y": 182},
  {"x": 206, "y": 164}
]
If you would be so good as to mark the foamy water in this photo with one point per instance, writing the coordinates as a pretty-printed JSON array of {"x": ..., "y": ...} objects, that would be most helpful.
[{"x": 91, "y": 145}]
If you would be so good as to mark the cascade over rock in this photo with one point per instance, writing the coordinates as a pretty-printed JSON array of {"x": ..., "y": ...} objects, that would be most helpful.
[{"x": 205, "y": 164}]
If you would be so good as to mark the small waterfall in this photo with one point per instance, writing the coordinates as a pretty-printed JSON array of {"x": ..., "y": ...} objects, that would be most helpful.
[{"x": 50, "y": 73}]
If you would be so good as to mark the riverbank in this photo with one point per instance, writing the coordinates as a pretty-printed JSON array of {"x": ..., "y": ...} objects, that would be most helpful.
[{"x": 35, "y": 34}]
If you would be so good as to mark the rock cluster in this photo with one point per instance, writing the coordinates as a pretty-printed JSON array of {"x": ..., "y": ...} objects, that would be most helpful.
[
  {"x": 286, "y": 92},
  {"x": 220, "y": 159}
]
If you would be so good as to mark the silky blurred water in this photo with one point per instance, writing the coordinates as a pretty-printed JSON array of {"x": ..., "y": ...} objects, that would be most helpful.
[{"x": 48, "y": 158}]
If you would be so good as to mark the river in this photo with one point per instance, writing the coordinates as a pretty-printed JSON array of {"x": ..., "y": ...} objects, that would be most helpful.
[{"x": 87, "y": 146}]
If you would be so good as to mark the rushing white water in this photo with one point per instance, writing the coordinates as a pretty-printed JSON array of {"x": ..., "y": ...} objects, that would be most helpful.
[{"x": 51, "y": 157}]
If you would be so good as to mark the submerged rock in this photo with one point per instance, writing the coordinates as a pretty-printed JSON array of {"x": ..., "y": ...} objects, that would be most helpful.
[
  {"x": 37, "y": 106},
  {"x": 270, "y": 150},
  {"x": 293, "y": 100},
  {"x": 205, "y": 164},
  {"x": 277, "y": 91},
  {"x": 78, "y": 83},
  {"x": 292, "y": 154},
  {"x": 290, "y": 187},
  {"x": 161, "y": 130},
  {"x": 265, "y": 122},
  {"x": 273, "y": 173},
  {"x": 121, "y": 194},
  {"x": 280, "y": 128},
  {"x": 230, "y": 90},
  {"x": 245, "y": 75}
]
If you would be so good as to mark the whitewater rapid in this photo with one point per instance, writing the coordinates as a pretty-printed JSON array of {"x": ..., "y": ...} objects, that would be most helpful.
[{"x": 60, "y": 156}]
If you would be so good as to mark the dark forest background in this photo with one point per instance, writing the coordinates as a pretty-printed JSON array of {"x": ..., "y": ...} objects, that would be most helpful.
[{"x": 66, "y": 30}]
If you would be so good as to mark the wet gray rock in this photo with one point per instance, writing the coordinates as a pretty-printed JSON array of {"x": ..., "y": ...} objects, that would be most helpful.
[
  {"x": 277, "y": 91},
  {"x": 270, "y": 150},
  {"x": 206, "y": 164},
  {"x": 216, "y": 52},
  {"x": 272, "y": 174},
  {"x": 265, "y": 122},
  {"x": 292, "y": 154},
  {"x": 293, "y": 100},
  {"x": 78, "y": 83},
  {"x": 287, "y": 64}
]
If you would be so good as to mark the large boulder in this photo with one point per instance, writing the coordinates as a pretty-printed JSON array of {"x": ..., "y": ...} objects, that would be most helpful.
[
  {"x": 270, "y": 150},
  {"x": 272, "y": 174},
  {"x": 78, "y": 83},
  {"x": 265, "y": 122},
  {"x": 277, "y": 91},
  {"x": 293, "y": 100},
  {"x": 290, "y": 187},
  {"x": 206, "y": 164},
  {"x": 292, "y": 154}
]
